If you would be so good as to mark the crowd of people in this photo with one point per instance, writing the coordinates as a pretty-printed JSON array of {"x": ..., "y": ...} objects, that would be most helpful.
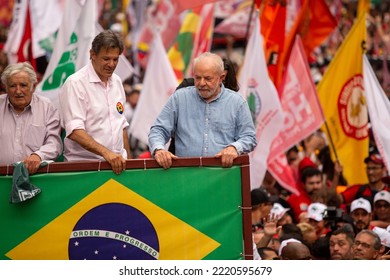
[
  {"x": 205, "y": 117},
  {"x": 329, "y": 221}
]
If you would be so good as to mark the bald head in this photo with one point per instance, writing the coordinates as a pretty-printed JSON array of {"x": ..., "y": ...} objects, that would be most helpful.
[{"x": 295, "y": 251}]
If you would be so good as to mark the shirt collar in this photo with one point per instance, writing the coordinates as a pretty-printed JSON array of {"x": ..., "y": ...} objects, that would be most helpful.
[
  {"x": 28, "y": 107},
  {"x": 93, "y": 77}
]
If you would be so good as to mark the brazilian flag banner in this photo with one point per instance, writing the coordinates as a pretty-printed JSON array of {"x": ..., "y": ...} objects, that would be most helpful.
[{"x": 184, "y": 213}]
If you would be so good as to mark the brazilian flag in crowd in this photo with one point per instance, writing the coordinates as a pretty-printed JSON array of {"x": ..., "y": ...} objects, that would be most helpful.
[{"x": 181, "y": 213}]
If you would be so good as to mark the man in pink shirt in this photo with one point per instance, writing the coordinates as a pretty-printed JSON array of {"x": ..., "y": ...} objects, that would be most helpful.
[
  {"x": 92, "y": 107},
  {"x": 29, "y": 124}
]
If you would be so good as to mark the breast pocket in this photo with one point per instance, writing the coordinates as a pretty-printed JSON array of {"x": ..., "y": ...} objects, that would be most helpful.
[
  {"x": 35, "y": 136},
  {"x": 223, "y": 133}
]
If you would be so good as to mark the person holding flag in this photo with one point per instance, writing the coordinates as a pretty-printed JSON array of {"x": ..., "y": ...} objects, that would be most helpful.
[
  {"x": 214, "y": 120},
  {"x": 92, "y": 106}
]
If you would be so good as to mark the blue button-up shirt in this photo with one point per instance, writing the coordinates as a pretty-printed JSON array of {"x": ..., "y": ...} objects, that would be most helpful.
[{"x": 201, "y": 128}]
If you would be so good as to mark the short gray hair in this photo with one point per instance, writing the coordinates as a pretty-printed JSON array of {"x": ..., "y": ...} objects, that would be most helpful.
[
  {"x": 377, "y": 241},
  {"x": 216, "y": 59},
  {"x": 16, "y": 68}
]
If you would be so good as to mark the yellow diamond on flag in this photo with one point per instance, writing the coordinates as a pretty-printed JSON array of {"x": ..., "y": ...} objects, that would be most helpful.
[{"x": 63, "y": 236}]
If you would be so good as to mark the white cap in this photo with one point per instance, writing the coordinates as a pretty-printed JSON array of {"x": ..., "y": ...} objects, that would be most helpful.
[
  {"x": 384, "y": 235},
  {"x": 361, "y": 203},
  {"x": 382, "y": 195},
  {"x": 316, "y": 211},
  {"x": 285, "y": 242},
  {"x": 278, "y": 210}
]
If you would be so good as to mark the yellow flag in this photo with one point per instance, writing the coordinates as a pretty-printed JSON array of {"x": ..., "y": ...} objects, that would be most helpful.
[
  {"x": 341, "y": 94},
  {"x": 363, "y": 7}
]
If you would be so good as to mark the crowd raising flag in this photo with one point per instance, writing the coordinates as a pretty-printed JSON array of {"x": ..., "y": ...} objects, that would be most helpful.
[
  {"x": 302, "y": 110},
  {"x": 378, "y": 105},
  {"x": 155, "y": 92},
  {"x": 342, "y": 98},
  {"x": 257, "y": 88}
]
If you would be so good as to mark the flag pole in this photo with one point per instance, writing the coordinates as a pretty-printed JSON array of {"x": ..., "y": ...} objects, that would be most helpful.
[
  {"x": 331, "y": 140},
  {"x": 249, "y": 23}
]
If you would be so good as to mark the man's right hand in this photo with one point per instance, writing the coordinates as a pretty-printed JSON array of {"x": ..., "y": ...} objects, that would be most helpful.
[
  {"x": 164, "y": 158},
  {"x": 117, "y": 162}
]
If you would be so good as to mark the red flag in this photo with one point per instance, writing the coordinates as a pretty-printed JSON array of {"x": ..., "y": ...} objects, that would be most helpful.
[
  {"x": 25, "y": 49},
  {"x": 19, "y": 44},
  {"x": 273, "y": 19},
  {"x": 301, "y": 108},
  {"x": 283, "y": 173},
  {"x": 181, "y": 5},
  {"x": 313, "y": 24}
]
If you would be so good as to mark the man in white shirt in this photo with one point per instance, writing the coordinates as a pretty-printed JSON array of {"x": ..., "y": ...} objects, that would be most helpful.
[{"x": 92, "y": 106}]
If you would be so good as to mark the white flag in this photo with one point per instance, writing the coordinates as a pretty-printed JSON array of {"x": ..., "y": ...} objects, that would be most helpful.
[
  {"x": 16, "y": 31},
  {"x": 159, "y": 83},
  {"x": 378, "y": 106},
  {"x": 46, "y": 18},
  {"x": 71, "y": 49},
  {"x": 263, "y": 101}
]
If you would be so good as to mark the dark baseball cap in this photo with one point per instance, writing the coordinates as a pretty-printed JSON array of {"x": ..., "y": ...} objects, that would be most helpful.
[{"x": 259, "y": 196}]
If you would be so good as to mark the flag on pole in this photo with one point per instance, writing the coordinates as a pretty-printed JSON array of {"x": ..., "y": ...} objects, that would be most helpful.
[
  {"x": 18, "y": 44},
  {"x": 302, "y": 111},
  {"x": 342, "y": 98},
  {"x": 180, "y": 53},
  {"x": 203, "y": 35},
  {"x": 299, "y": 99},
  {"x": 236, "y": 23},
  {"x": 159, "y": 83},
  {"x": 257, "y": 88},
  {"x": 71, "y": 50},
  {"x": 273, "y": 28},
  {"x": 378, "y": 105},
  {"x": 313, "y": 24},
  {"x": 363, "y": 7},
  {"x": 46, "y": 18},
  {"x": 161, "y": 16}
]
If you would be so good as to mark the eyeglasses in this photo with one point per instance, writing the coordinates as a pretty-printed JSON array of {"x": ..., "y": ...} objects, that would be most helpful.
[{"x": 364, "y": 245}]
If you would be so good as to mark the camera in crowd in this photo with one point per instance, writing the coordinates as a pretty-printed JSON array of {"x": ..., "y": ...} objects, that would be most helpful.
[{"x": 334, "y": 215}]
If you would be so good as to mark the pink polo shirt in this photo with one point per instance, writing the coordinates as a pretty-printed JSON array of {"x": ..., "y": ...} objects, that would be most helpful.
[
  {"x": 36, "y": 130},
  {"x": 86, "y": 103}
]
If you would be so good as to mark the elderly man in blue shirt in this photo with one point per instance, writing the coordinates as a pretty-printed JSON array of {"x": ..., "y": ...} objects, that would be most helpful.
[{"x": 206, "y": 119}]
